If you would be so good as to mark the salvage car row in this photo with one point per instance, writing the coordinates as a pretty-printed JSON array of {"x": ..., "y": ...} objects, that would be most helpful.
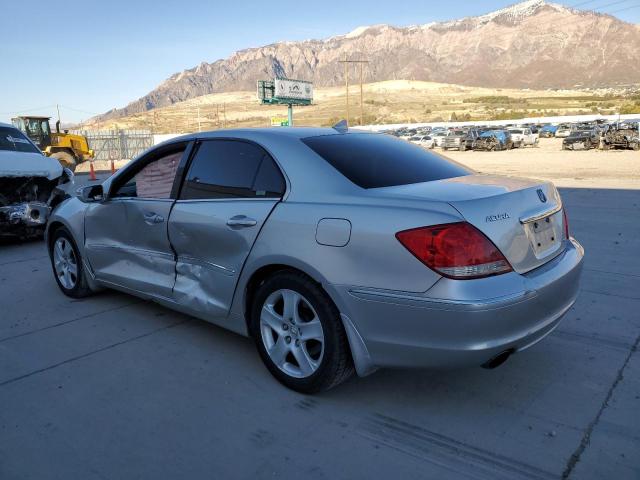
[{"x": 577, "y": 136}]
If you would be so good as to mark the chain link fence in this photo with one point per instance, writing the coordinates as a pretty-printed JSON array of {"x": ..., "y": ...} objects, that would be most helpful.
[{"x": 117, "y": 144}]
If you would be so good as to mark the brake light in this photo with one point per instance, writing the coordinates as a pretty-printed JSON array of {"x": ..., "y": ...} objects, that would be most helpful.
[
  {"x": 455, "y": 250},
  {"x": 566, "y": 223}
]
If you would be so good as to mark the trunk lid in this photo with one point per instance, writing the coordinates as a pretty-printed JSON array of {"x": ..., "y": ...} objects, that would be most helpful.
[{"x": 522, "y": 217}]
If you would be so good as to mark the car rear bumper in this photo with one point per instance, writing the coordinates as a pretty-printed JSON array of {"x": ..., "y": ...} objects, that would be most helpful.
[{"x": 461, "y": 323}]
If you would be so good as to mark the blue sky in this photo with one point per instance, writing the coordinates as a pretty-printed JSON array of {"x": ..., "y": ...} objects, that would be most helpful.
[{"x": 113, "y": 52}]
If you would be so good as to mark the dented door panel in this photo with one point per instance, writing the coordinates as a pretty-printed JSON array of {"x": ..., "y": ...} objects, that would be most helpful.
[
  {"x": 212, "y": 239},
  {"x": 127, "y": 244}
]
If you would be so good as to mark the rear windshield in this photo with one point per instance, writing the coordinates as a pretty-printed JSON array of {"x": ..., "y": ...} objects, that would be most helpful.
[
  {"x": 13, "y": 140},
  {"x": 373, "y": 160}
]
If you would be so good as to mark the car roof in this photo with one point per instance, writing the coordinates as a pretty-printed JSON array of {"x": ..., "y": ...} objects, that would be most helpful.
[
  {"x": 265, "y": 133},
  {"x": 313, "y": 176}
]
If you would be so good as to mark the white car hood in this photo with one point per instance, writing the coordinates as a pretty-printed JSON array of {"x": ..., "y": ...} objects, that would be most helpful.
[{"x": 23, "y": 164}]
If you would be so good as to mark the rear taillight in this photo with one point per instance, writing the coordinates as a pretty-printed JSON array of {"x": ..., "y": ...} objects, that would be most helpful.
[
  {"x": 566, "y": 223},
  {"x": 455, "y": 250}
]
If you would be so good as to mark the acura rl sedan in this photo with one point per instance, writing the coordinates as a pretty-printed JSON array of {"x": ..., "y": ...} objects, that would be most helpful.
[{"x": 336, "y": 251}]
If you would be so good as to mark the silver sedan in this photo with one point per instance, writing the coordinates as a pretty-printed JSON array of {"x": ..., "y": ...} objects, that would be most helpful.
[{"x": 336, "y": 251}]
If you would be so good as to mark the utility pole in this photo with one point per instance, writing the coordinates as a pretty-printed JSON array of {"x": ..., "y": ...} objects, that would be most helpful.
[
  {"x": 346, "y": 80},
  {"x": 361, "y": 107},
  {"x": 199, "y": 125}
]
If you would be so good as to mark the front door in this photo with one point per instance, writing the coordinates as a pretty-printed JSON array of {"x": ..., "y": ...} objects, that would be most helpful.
[
  {"x": 230, "y": 189},
  {"x": 126, "y": 240}
]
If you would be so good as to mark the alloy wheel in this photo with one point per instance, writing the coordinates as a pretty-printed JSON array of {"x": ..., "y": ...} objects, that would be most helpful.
[
  {"x": 292, "y": 333},
  {"x": 65, "y": 263}
]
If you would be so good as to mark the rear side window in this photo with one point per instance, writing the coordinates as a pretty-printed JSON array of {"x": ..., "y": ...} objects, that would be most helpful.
[
  {"x": 232, "y": 169},
  {"x": 373, "y": 160}
]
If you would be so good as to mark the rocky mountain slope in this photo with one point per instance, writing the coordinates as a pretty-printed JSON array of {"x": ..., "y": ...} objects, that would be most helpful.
[{"x": 533, "y": 44}]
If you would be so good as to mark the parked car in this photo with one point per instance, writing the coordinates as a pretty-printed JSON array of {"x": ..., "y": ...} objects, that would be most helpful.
[
  {"x": 30, "y": 184},
  {"x": 523, "y": 137},
  {"x": 581, "y": 140},
  {"x": 425, "y": 141},
  {"x": 471, "y": 138},
  {"x": 492, "y": 140},
  {"x": 623, "y": 135},
  {"x": 563, "y": 131},
  {"x": 438, "y": 137},
  {"x": 335, "y": 251},
  {"x": 454, "y": 140},
  {"x": 548, "y": 131}
]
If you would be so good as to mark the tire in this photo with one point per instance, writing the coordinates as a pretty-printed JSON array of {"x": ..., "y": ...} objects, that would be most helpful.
[
  {"x": 66, "y": 160},
  {"x": 329, "y": 361},
  {"x": 63, "y": 249}
]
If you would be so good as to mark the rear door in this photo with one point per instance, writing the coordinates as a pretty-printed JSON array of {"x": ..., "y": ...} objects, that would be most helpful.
[
  {"x": 126, "y": 241},
  {"x": 230, "y": 188}
]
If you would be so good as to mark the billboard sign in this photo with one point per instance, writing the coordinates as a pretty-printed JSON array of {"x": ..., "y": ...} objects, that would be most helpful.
[{"x": 293, "y": 89}]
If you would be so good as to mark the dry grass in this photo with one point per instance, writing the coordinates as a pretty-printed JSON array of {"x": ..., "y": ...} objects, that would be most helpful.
[{"x": 399, "y": 101}]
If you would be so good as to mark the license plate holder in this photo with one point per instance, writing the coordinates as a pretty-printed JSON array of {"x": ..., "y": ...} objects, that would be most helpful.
[{"x": 545, "y": 234}]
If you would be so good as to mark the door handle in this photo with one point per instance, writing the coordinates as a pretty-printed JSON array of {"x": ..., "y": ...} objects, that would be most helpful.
[
  {"x": 241, "y": 221},
  {"x": 151, "y": 218}
]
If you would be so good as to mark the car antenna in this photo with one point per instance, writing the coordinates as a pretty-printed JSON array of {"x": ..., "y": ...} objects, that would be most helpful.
[{"x": 342, "y": 126}]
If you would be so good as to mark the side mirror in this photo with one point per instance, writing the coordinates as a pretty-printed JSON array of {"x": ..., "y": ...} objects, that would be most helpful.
[{"x": 90, "y": 194}]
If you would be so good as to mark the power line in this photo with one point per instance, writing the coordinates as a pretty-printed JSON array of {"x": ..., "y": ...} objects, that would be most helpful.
[{"x": 28, "y": 110}]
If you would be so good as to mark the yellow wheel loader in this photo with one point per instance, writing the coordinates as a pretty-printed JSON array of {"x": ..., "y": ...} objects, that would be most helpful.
[{"x": 69, "y": 149}]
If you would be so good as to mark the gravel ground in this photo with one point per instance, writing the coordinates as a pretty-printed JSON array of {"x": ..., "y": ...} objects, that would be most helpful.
[{"x": 566, "y": 168}]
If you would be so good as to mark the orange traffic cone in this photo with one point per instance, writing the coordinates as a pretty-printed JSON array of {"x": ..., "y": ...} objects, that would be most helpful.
[
  {"x": 92, "y": 172},
  {"x": 113, "y": 167}
]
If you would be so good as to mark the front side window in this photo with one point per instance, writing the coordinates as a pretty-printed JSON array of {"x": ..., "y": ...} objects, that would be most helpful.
[
  {"x": 14, "y": 140},
  {"x": 155, "y": 180},
  {"x": 232, "y": 169}
]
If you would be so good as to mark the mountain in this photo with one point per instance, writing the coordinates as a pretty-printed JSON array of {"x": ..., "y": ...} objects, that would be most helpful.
[{"x": 533, "y": 44}]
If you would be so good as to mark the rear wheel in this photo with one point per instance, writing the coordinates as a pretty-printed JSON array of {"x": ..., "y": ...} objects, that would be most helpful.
[
  {"x": 299, "y": 334},
  {"x": 67, "y": 265},
  {"x": 66, "y": 160}
]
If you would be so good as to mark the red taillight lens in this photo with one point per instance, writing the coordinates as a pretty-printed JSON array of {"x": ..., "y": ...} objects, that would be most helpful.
[
  {"x": 455, "y": 250},
  {"x": 566, "y": 223}
]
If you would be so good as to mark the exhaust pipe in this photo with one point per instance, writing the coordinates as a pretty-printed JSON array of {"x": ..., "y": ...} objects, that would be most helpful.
[{"x": 498, "y": 360}]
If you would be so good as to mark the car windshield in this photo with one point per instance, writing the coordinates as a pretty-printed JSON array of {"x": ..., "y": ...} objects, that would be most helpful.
[
  {"x": 515, "y": 130},
  {"x": 14, "y": 140},
  {"x": 372, "y": 161}
]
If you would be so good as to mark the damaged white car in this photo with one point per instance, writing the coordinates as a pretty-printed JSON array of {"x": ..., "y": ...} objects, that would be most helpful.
[{"x": 31, "y": 184}]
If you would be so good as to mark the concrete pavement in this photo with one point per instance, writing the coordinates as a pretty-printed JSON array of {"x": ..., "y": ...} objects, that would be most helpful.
[{"x": 114, "y": 387}]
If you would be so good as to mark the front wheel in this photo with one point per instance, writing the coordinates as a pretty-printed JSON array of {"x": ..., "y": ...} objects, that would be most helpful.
[
  {"x": 299, "y": 334},
  {"x": 66, "y": 160},
  {"x": 67, "y": 265}
]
